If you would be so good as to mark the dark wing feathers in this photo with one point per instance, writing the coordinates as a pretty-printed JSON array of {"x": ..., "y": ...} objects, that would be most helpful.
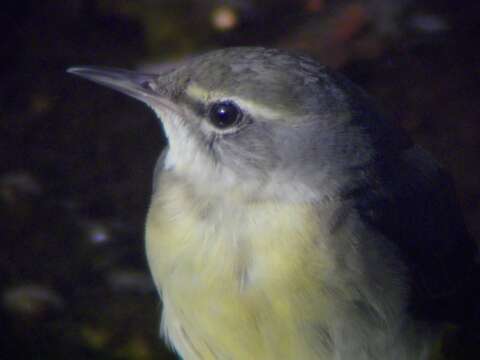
[{"x": 415, "y": 207}]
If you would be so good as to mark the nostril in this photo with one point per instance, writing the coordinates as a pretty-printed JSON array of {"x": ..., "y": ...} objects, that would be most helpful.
[{"x": 147, "y": 85}]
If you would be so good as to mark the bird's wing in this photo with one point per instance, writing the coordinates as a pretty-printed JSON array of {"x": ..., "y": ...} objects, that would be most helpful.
[{"x": 416, "y": 208}]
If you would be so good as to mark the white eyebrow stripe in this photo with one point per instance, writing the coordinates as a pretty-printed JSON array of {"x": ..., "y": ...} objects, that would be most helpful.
[
  {"x": 256, "y": 109},
  {"x": 197, "y": 93}
]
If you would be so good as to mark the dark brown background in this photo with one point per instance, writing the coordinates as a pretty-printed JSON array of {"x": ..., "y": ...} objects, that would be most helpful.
[{"x": 76, "y": 159}]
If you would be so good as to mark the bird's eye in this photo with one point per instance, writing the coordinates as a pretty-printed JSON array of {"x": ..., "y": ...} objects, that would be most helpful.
[{"x": 224, "y": 114}]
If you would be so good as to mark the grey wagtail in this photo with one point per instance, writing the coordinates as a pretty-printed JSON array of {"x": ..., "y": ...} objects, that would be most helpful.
[{"x": 289, "y": 219}]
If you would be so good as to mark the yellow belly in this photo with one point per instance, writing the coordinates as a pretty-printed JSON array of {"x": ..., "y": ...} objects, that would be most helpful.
[{"x": 238, "y": 282}]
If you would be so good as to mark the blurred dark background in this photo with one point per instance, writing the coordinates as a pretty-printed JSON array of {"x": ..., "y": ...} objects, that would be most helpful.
[{"x": 76, "y": 159}]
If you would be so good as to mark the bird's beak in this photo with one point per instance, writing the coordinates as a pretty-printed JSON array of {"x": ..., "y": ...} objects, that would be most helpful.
[{"x": 144, "y": 87}]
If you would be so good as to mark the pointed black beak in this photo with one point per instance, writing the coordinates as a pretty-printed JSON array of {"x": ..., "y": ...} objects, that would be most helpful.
[
  {"x": 138, "y": 85},
  {"x": 144, "y": 87}
]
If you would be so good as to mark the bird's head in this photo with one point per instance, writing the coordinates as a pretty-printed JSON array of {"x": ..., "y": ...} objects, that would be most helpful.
[{"x": 256, "y": 122}]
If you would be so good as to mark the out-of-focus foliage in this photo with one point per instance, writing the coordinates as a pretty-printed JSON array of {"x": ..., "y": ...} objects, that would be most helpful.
[
  {"x": 77, "y": 159},
  {"x": 167, "y": 24}
]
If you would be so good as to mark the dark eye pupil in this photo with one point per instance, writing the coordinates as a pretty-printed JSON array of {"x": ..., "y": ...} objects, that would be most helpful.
[{"x": 224, "y": 114}]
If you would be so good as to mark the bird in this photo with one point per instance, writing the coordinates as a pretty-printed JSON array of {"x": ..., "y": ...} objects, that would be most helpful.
[{"x": 290, "y": 218}]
